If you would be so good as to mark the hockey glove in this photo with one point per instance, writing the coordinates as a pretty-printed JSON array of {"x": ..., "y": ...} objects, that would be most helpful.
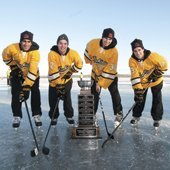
[
  {"x": 60, "y": 89},
  {"x": 17, "y": 73},
  {"x": 68, "y": 74},
  {"x": 156, "y": 74},
  {"x": 24, "y": 93},
  {"x": 139, "y": 95}
]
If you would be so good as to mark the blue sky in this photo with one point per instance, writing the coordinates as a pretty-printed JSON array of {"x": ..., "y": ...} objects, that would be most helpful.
[{"x": 83, "y": 20}]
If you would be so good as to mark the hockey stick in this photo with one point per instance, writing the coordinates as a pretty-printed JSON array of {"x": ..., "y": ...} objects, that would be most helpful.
[
  {"x": 104, "y": 118},
  {"x": 45, "y": 149},
  {"x": 109, "y": 134},
  {"x": 34, "y": 152}
]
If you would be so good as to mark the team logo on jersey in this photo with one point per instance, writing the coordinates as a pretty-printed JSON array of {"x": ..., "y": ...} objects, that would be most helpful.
[
  {"x": 51, "y": 64},
  {"x": 63, "y": 69},
  {"x": 99, "y": 61},
  {"x": 146, "y": 73},
  {"x": 132, "y": 70}
]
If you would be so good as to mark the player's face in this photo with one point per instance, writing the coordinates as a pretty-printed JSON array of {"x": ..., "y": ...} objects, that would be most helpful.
[
  {"x": 62, "y": 46},
  {"x": 26, "y": 44},
  {"x": 106, "y": 41},
  {"x": 139, "y": 52}
]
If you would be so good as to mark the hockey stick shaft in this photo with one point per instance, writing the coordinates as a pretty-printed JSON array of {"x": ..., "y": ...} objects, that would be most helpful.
[
  {"x": 58, "y": 99},
  {"x": 104, "y": 117},
  {"x": 29, "y": 118}
]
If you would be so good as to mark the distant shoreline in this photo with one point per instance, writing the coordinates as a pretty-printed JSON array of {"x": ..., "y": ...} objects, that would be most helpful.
[{"x": 88, "y": 76}]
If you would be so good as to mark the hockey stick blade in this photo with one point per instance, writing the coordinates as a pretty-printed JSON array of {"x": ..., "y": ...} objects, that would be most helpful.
[{"x": 112, "y": 134}]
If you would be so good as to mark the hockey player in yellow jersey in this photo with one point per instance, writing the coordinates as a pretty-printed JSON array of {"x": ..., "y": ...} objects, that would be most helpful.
[
  {"x": 63, "y": 62},
  {"x": 147, "y": 70},
  {"x": 23, "y": 59},
  {"x": 102, "y": 54}
]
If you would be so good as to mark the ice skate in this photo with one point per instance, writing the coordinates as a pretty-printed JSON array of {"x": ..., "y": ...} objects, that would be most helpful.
[
  {"x": 54, "y": 122},
  {"x": 16, "y": 122},
  {"x": 37, "y": 121},
  {"x": 156, "y": 124},
  {"x": 118, "y": 119},
  {"x": 70, "y": 121},
  {"x": 134, "y": 121}
]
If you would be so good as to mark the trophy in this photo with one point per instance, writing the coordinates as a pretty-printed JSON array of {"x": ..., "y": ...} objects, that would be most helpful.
[{"x": 87, "y": 124}]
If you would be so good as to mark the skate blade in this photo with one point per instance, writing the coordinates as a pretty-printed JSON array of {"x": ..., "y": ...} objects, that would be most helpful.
[
  {"x": 156, "y": 129},
  {"x": 53, "y": 126},
  {"x": 116, "y": 126},
  {"x": 70, "y": 125},
  {"x": 134, "y": 125},
  {"x": 156, "y": 132},
  {"x": 38, "y": 127},
  {"x": 16, "y": 128}
]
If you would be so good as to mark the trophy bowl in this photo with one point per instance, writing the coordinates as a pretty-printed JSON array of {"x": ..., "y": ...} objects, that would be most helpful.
[{"x": 85, "y": 83}]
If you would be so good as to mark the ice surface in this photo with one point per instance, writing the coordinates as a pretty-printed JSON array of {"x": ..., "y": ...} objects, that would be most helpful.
[{"x": 137, "y": 148}]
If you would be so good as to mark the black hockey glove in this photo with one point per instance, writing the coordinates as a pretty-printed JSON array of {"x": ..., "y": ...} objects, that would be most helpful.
[
  {"x": 139, "y": 95},
  {"x": 16, "y": 73},
  {"x": 24, "y": 93},
  {"x": 68, "y": 74},
  {"x": 156, "y": 74},
  {"x": 60, "y": 89}
]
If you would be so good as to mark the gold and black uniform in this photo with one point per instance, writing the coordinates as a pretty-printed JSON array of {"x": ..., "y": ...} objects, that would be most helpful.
[
  {"x": 104, "y": 70},
  {"x": 59, "y": 65},
  {"x": 141, "y": 73},
  {"x": 24, "y": 71}
]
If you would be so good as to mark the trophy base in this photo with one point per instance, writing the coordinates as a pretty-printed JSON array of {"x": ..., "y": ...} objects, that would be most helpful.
[{"x": 86, "y": 133}]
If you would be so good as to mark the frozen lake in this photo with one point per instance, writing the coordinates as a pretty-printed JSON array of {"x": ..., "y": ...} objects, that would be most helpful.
[{"x": 137, "y": 148}]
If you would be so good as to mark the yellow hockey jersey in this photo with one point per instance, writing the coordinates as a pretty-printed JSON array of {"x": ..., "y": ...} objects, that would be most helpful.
[
  {"x": 103, "y": 61},
  {"x": 142, "y": 69},
  {"x": 27, "y": 62},
  {"x": 59, "y": 65}
]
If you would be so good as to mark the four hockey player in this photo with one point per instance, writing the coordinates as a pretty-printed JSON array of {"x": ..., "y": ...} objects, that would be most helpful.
[{"x": 146, "y": 67}]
